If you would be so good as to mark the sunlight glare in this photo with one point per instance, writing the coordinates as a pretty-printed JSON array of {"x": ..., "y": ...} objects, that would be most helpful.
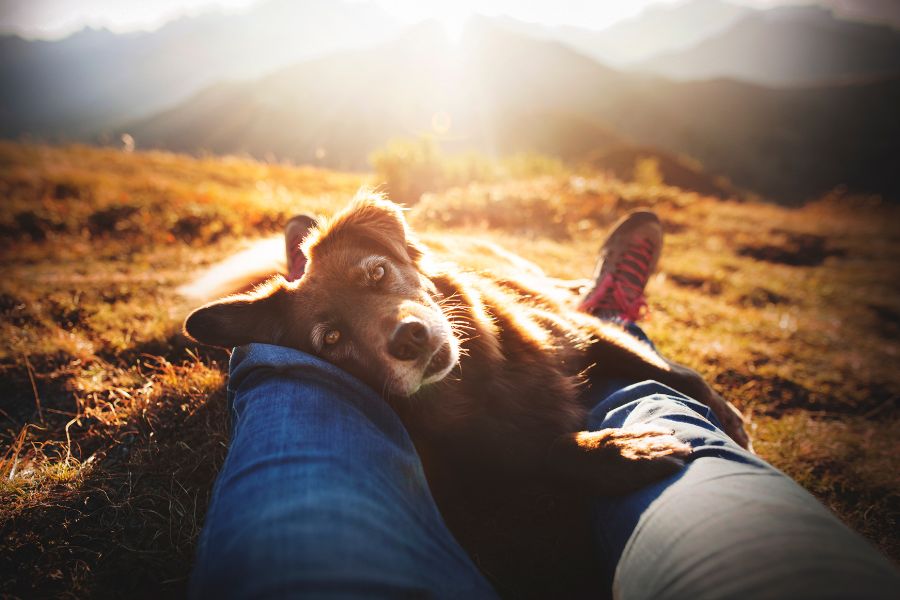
[
  {"x": 453, "y": 19},
  {"x": 441, "y": 122}
]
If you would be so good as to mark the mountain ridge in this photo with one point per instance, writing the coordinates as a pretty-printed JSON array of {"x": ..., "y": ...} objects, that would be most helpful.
[
  {"x": 787, "y": 47},
  {"x": 787, "y": 144},
  {"x": 74, "y": 87}
]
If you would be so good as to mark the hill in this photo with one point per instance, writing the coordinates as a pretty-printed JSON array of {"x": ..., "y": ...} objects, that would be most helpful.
[
  {"x": 649, "y": 165},
  {"x": 501, "y": 89},
  {"x": 338, "y": 108},
  {"x": 869, "y": 11},
  {"x": 658, "y": 29},
  {"x": 94, "y": 79},
  {"x": 787, "y": 46},
  {"x": 113, "y": 427}
]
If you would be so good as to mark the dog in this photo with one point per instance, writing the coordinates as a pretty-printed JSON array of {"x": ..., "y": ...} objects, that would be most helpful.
[{"x": 485, "y": 371}]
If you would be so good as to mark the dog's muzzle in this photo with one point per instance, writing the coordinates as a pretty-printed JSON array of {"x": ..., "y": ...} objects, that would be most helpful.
[{"x": 410, "y": 340}]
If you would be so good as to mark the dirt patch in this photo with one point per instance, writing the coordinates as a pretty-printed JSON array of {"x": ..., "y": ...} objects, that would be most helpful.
[
  {"x": 776, "y": 396},
  {"x": 707, "y": 286},
  {"x": 797, "y": 249},
  {"x": 772, "y": 395},
  {"x": 16, "y": 311},
  {"x": 67, "y": 315},
  {"x": 673, "y": 227},
  {"x": 30, "y": 225},
  {"x": 64, "y": 191},
  {"x": 189, "y": 228},
  {"x": 761, "y": 297},
  {"x": 888, "y": 320},
  {"x": 115, "y": 220}
]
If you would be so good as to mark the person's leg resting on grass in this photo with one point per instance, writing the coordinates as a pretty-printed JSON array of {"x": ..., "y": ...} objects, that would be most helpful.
[
  {"x": 322, "y": 494},
  {"x": 728, "y": 525}
]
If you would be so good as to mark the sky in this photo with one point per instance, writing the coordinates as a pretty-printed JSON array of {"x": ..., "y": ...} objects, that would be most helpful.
[{"x": 49, "y": 19}]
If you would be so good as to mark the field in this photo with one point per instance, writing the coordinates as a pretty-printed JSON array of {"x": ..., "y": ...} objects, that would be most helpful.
[{"x": 112, "y": 425}]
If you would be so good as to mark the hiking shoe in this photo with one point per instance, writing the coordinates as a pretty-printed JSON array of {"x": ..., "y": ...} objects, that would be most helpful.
[
  {"x": 294, "y": 232},
  {"x": 627, "y": 260}
]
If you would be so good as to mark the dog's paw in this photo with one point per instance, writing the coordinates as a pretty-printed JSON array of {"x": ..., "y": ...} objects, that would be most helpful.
[
  {"x": 638, "y": 442},
  {"x": 624, "y": 460}
]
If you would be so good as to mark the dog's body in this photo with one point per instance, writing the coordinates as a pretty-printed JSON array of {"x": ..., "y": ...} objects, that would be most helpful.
[{"x": 486, "y": 372}]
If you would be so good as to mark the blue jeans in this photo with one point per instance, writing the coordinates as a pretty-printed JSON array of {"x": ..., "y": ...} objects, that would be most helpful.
[{"x": 322, "y": 495}]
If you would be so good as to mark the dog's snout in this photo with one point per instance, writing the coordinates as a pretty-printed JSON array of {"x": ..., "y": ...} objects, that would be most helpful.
[{"x": 410, "y": 340}]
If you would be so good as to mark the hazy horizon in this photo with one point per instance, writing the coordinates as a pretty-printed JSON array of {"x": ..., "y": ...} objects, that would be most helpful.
[{"x": 56, "y": 19}]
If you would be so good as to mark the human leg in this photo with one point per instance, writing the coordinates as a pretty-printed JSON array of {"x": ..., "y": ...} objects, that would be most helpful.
[
  {"x": 321, "y": 494},
  {"x": 728, "y": 525}
]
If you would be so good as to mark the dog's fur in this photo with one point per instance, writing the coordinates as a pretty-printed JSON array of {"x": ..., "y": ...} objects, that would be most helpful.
[{"x": 485, "y": 371}]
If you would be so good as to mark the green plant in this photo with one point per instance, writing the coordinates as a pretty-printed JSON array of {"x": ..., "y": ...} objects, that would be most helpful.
[{"x": 409, "y": 168}]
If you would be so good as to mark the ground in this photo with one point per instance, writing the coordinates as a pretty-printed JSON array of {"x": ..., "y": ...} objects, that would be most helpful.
[{"x": 112, "y": 424}]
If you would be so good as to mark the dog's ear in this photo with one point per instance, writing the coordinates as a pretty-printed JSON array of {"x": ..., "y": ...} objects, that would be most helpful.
[
  {"x": 373, "y": 218},
  {"x": 241, "y": 319}
]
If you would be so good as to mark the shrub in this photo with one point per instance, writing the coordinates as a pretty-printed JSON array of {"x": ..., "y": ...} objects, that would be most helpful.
[
  {"x": 410, "y": 167},
  {"x": 646, "y": 171}
]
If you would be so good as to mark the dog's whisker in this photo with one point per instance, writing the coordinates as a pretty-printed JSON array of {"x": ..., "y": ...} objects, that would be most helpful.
[
  {"x": 458, "y": 317},
  {"x": 445, "y": 299},
  {"x": 452, "y": 306},
  {"x": 461, "y": 320},
  {"x": 461, "y": 317}
]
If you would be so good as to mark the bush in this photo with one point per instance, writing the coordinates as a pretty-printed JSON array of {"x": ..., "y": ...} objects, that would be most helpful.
[
  {"x": 646, "y": 171},
  {"x": 410, "y": 167}
]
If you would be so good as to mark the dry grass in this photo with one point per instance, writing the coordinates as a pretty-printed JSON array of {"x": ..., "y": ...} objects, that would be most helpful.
[{"x": 113, "y": 426}]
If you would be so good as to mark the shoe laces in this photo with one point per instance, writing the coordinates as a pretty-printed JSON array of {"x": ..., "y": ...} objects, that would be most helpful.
[{"x": 621, "y": 292}]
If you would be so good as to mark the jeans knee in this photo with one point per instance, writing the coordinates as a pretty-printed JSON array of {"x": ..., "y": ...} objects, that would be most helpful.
[
  {"x": 642, "y": 398},
  {"x": 667, "y": 406},
  {"x": 304, "y": 544}
]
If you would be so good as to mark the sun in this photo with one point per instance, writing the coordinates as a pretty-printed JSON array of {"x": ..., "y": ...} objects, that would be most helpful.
[{"x": 452, "y": 18}]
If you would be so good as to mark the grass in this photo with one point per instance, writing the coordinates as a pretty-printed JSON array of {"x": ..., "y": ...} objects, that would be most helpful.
[{"x": 112, "y": 425}]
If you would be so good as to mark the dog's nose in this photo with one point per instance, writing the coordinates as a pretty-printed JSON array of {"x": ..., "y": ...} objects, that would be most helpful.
[{"x": 409, "y": 340}]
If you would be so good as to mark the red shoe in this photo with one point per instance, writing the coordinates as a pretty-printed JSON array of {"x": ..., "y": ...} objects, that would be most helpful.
[
  {"x": 294, "y": 232},
  {"x": 627, "y": 259}
]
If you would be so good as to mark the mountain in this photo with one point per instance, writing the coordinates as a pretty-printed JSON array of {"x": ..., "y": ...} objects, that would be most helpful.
[
  {"x": 346, "y": 104},
  {"x": 95, "y": 79},
  {"x": 624, "y": 162},
  {"x": 787, "y": 46},
  {"x": 658, "y": 29},
  {"x": 886, "y": 12},
  {"x": 502, "y": 92}
]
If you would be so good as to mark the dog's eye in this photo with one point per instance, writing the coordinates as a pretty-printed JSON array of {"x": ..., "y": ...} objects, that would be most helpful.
[
  {"x": 332, "y": 336},
  {"x": 377, "y": 273}
]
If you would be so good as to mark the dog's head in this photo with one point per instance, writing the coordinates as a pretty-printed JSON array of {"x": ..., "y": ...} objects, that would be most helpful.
[{"x": 363, "y": 304}]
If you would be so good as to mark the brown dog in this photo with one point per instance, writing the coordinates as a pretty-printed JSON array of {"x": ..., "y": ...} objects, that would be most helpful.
[{"x": 485, "y": 372}]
